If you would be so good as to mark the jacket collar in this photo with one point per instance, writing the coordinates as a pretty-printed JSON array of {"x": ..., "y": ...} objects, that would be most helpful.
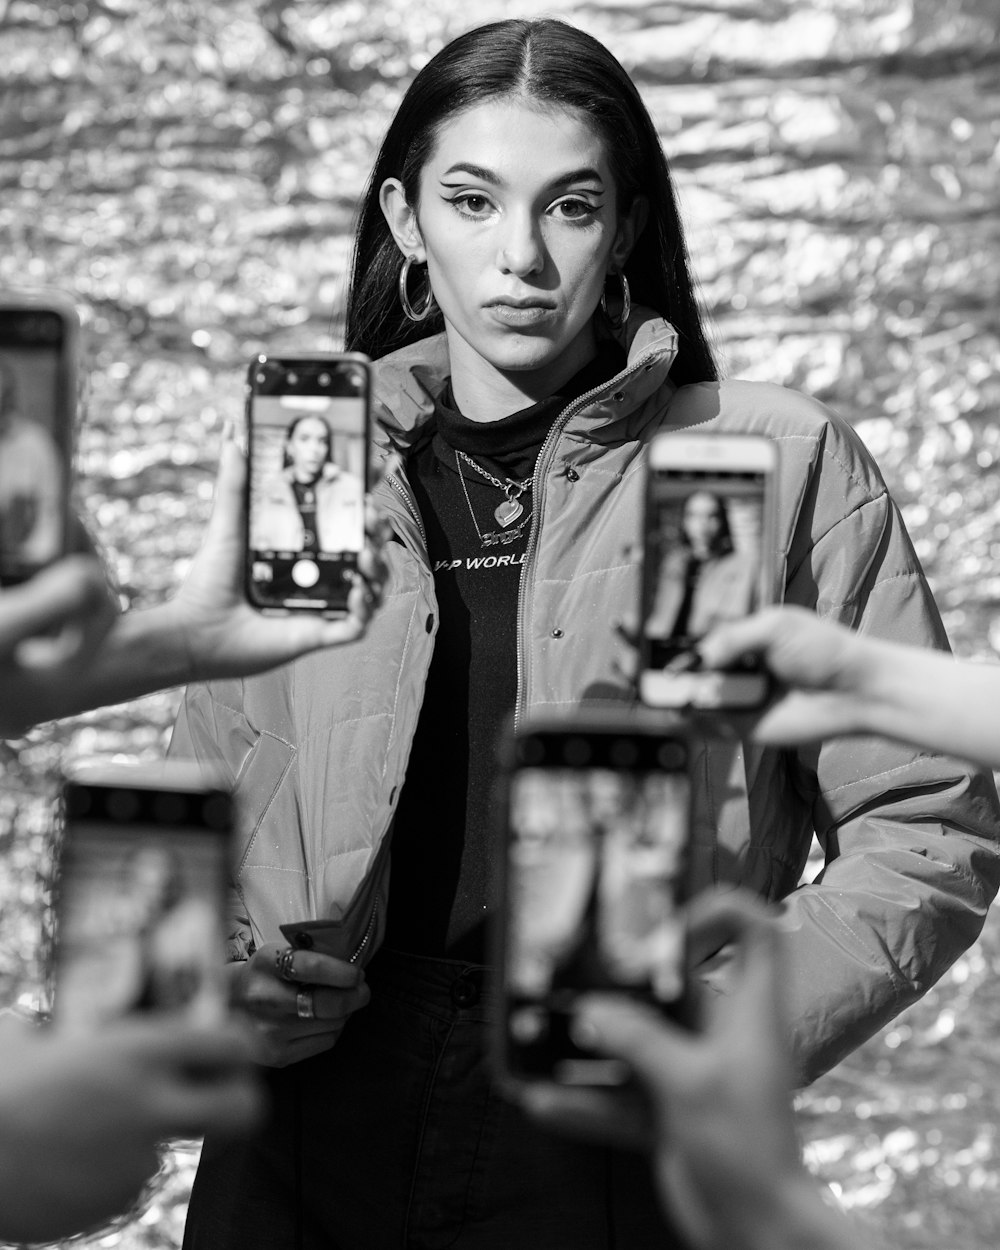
[{"x": 407, "y": 382}]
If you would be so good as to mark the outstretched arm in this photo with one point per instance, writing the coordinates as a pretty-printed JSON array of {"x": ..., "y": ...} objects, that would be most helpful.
[
  {"x": 206, "y": 630},
  {"x": 833, "y": 681}
]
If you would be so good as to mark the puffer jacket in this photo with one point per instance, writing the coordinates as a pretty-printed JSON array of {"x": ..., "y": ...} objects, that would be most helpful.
[{"x": 317, "y": 751}]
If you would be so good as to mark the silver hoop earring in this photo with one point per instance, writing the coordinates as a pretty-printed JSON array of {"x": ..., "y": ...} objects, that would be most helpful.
[
  {"x": 622, "y": 318},
  {"x": 414, "y": 314}
]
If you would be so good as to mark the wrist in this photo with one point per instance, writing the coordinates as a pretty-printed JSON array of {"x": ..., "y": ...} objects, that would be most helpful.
[{"x": 793, "y": 1214}]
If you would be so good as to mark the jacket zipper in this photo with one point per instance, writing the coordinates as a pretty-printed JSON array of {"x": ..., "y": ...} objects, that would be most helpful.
[
  {"x": 538, "y": 490},
  {"x": 367, "y": 935},
  {"x": 408, "y": 503}
]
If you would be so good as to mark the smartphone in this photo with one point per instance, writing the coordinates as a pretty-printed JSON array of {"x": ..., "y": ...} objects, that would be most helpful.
[
  {"x": 38, "y": 392},
  {"x": 141, "y": 886},
  {"x": 709, "y": 557},
  {"x": 595, "y": 817},
  {"x": 307, "y": 437}
]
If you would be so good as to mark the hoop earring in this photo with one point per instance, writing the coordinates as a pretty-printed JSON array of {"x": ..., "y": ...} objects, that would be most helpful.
[
  {"x": 622, "y": 318},
  {"x": 414, "y": 314}
]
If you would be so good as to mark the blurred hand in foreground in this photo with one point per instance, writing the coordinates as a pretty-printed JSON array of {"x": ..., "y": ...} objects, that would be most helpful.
[
  {"x": 712, "y": 1107},
  {"x": 51, "y": 628},
  {"x": 81, "y": 1114}
]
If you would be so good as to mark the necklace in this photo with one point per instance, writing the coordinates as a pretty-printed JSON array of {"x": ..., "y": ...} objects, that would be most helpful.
[
  {"x": 492, "y": 537},
  {"x": 507, "y": 512}
]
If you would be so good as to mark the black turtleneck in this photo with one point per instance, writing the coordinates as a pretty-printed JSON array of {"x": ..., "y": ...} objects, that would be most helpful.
[{"x": 444, "y": 827}]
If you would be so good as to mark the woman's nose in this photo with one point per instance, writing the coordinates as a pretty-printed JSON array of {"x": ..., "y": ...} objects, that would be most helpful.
[{"x": 521, "y": 251}]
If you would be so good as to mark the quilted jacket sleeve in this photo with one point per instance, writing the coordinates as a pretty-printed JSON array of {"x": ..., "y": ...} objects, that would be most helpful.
[
  {"x": 911, "y": 838},
  {"x": 208, "y": 729}
]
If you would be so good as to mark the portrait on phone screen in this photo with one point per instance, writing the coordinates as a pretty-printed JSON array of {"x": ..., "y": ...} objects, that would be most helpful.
[
  {"x": 707, "y": 571},
  {"x": 307, "y": 502},
  {"x": 596, "y": 863},
  {"x": 138, "y": 925},
  {"x": 32, "y": 482},
  {"x": 307, "y": 490}
]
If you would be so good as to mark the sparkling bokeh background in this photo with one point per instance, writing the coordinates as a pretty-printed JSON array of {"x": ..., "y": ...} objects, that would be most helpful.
[{"x": 190, "y": 170}]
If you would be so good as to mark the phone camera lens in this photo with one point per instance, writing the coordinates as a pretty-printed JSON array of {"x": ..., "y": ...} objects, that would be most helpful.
[
  {"x": 671, "y": 755},
  {"x": 531, "y": 752},
  {"x": 324, "y": 379},
  {"x": 292, "y": 378},
  {"x": 577, "y": 752},
  {"x": 624, "y": 753},
  {"x": 356, "y": 379},
  {"x": 261, "y": 377}
]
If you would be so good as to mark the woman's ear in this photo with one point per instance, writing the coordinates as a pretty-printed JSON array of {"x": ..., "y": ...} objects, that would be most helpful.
[
  {"x": 630, "y": 225},
  {"x": 401, "y": 219}
]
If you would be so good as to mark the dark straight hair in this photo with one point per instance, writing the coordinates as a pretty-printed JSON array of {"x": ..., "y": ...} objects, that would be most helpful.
[{"x": 559, "y": 66}]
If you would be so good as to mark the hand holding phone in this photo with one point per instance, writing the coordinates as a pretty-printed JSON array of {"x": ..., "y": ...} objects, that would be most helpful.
[{"x": 709, "y": 558}]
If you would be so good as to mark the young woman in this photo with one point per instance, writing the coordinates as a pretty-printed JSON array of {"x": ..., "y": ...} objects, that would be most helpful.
[
  {"x": 521, "y": 278},
  {"x": 310, "y": 504},
  {"x": 703, "y": 580}
]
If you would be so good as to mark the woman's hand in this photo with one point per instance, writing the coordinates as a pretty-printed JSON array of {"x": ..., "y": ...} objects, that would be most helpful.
[
  {"x": 298, "y": 1001},
  {"x": 222, "y": 634},
  {"x": 82, "y": 1113},
  {"x": 824, "y": 672},
  {"x": 50, "y": 629}
]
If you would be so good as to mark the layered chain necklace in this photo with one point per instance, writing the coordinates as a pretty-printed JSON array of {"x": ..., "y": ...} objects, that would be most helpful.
[{"x": 506, "y": 513}]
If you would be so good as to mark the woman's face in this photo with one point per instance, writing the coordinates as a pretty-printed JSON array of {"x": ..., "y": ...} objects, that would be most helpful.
[
  {"x": 518, "y": 223},
  {"x": 702, "y": 523},
  {"x": 308, "y": 448}
]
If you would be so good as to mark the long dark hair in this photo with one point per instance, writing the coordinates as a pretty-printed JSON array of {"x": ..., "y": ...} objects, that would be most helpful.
[{"x": 555, "y": 64}]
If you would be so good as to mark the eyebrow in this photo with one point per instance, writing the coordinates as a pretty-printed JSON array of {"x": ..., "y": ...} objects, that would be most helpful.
[{"x": 586, "y": 174}]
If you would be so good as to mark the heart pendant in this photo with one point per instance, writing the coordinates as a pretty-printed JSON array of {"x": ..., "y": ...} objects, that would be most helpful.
[{"x": 508, "y": 512}]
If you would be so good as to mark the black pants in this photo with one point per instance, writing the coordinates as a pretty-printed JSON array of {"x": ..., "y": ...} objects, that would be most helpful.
[{"x": 397, "y": 1140}]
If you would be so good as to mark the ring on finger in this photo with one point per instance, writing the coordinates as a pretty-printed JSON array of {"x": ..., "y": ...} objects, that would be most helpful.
[
  {"x": 305, "y": 1006},
  {"x": 284, "y": 961}
]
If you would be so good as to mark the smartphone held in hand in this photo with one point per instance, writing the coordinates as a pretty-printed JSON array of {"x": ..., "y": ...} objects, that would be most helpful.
[
  {"x": 38, "y": 396},
  {"x": 709, "y": 558},
  {"x": 596, "y": 826},
  {"x": 307, "y": 439},
  {"x": 141, "y": 888}
]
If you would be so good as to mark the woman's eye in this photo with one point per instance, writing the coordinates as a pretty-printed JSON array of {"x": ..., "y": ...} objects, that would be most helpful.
[
  {"x": 471, "y": 204},
  {"x": 574, "y": 210}
]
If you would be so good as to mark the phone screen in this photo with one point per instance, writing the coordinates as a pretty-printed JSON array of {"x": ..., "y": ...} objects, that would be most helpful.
[
  {"x": 142, "y": 881},
  {"x": 598, "y": 830},
  {"x": 308, "y": 445},
  {"x": 705, "y": 564},
  {"x": 37, "y": 401}
]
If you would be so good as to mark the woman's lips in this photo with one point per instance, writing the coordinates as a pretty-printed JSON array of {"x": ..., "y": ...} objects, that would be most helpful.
[{"x": 520, "y": 314}]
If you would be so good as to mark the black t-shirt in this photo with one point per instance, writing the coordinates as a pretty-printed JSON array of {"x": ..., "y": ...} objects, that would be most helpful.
[{"x": 444, "y": 829}]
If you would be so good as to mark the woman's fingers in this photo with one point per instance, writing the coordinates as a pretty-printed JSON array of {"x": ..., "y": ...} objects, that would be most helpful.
[
  {"x": 309, "y": 967},
  {"x": 72, "y": 592}
]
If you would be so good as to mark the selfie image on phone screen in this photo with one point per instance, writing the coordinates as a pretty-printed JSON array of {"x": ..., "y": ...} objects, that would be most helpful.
[
  {"x": 594, "y": 881},
  {"x": 308, "y": 447},
  {"x": 706, "y": 563},
  {"x": 37, "y": 397},
  {"x": 142, "y": 883}
]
